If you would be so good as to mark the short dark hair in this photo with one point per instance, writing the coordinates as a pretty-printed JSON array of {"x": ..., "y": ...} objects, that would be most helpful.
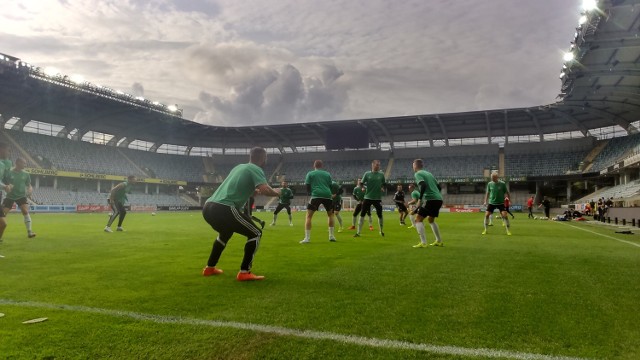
[
  {"x": 419, "y": 163},
  {"x": 317, "y": 164},
  {"x": 257, "y": 153}
]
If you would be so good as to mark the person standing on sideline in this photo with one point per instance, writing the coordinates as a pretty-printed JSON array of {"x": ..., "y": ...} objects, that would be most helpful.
[
  {"x": 336, "y": 194},
  {"x": 547, "y": 207},
  {"x": 494, "y": 199},
  {"x": 318, "y": 183},
  {"x": 117, "y": 199},
  {"x": 223, "y": 212},
  {"x": 5, "y": 167},
  {"x": 429, "y": 204},
  {"x": 375, "y": 182},
  {"x": 530, "y": 207},
  {"x": 284, "y": 202},
  {"x": 21, "y": 189},
  {"x": 358, "y": 196},
  {"x": 398, "y": 198}
]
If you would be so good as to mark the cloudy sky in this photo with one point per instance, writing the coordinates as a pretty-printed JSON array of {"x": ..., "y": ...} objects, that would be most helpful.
[{"x": 236, "y": 62}]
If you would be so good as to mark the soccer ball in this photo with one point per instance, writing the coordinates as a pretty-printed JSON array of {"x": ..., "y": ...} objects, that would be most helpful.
[
  {"x": 497, "y": 216},
  {"x": 153, "y": 214},
  {"x": 535, "y": 218}
]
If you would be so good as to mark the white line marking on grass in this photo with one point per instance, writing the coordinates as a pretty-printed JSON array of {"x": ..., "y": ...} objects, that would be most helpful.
[
  {"x": 306, "y": 334},
  {"x": 607, "y": 236}
]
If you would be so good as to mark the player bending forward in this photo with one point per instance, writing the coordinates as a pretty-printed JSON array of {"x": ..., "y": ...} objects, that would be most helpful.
[{"x": 21, "y": 181}]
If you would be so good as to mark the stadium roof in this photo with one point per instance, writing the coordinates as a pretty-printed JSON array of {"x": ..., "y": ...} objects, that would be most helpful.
[{"x": 600, "y": 88}]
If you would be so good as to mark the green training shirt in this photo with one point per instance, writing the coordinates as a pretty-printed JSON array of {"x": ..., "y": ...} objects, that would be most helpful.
[
  {"x": 334, "y": 190},
  {"x": 496, "y": 191},
  {"x": 7, "y": 165},
  {"x": 239, "y": 186},
  {"x": 415, "y": 194},
  {"x": 121, "y": 194},
  {"x": 320, "y": 182},
  {"x": 431, "y": 192},
  {"x": 358, "y": 193},
  {"x": 20, "y": 180},
  {"x": 374, "y": 182},
  {"x": 285, "y": 196}
]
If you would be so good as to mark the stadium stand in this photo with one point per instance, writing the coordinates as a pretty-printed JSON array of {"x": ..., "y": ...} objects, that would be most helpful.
[
  {"x": 615, "y": 149},
  {"x": 546, "y": 158},
  {"x": 166, "y": 166},
  {"x": 50, "y": 196}
]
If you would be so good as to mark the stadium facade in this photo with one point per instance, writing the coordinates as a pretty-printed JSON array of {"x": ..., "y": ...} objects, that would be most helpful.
[{"x": 80, "y": 138}]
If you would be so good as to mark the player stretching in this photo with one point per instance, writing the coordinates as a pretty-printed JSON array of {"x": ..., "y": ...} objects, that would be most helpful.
[
  {"x": 374, "y": 181},
  {"x": 117, "y": 198},
  {"x": 336, "y": 193},
  {"x": 21, "y": 182},
  {"x": 398, "y": 198},
  {"x": 283, "y": 203},
  {"x": 496, "y": 191},
  {"x": 319, "y": 186},
  {"x": 223, "y": 211},
  {"x": 429, "y": 204},
  {"x": 5, "y": 167},
  {"x": 415, "y": 197}
]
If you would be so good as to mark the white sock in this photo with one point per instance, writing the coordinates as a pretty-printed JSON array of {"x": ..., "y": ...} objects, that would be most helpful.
[
  {"x": 360, "y": 223},
  {"x": 420, "y": 229},
  {"x": 307, "y": 234},
  {"x": 353, "y": 221},
  {"x": 485, "y": 223},
  {"x": 370, "y": 220},
  {"x": 331, "y": 232},
  {"x": 507, "y": 224},
  {"x": 27, "y": 222},
  {"x": 413, "y": 219},
  {"x": 436, "y": 231},
  {"x": 339, "y": 219}
]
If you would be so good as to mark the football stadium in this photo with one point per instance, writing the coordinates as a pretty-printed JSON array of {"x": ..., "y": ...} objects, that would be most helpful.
[{"x": 557, "y": 277}]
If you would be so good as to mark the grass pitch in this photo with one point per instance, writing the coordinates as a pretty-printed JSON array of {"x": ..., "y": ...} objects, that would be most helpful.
[{"x": 549, "y": 289}]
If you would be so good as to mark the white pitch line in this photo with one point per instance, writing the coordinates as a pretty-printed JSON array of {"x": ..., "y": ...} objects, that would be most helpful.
[
  {"x": 607, "y": 236},
  {"x": 306, "y": 334}
]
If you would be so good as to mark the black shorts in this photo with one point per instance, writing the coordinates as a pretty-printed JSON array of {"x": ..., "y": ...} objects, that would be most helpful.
[
  {"x": 366, "y": 207},
  {"x": 8, "y": 203},
  {"x": 283, "y": 206},
  {"x": 337, "y": 206},
  {"x": 493, "y": 207},
  {"x": 401, "y": 207},
  {"x": 228, "y": 220},
  {"x": 314, "y": 204},
  {"x": 430, "y": 208},
  {"x": 1, "y": 212}
]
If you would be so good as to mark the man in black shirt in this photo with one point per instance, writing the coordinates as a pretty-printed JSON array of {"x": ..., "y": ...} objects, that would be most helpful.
[
  {"x": 547, "y": 206},
  {"x": 398, "y": 198}
]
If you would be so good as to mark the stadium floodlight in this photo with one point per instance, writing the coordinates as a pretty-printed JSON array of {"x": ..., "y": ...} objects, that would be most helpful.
[
  {"x": 139, "y": 98},
  {"x": 78, "y": 79},
  {"x": 589, "y": 5},
  {"x": 583, "y": 20},
  {"x": 51, "y": 71},
  {"x": 155, "y": 103},
  {"x": 119, "y": 92},
  {"x": 172, "y": 108},
  {"x": 562, "y": 74},
  {"x": 568, "y": 56}
]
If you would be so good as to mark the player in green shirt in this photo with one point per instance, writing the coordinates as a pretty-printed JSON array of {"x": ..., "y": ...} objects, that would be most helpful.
[
  {"x": 5, "y": 167},
  {"x": 21, "y": 182},
  {"x": 318, "y": 183},
  {"x": 283, "y": 203},
  {"x": 415, "y": 196},
  {"x": 117, "y": 199},
  {"x": 223, "y": 212},
  {"x": 358, "y": 196},
  {"x": 429, "y": 204},
  {"x": 494, "y": 199},
  {"x": 375, "y": 182},
  {"x": 336, "y": 193}
]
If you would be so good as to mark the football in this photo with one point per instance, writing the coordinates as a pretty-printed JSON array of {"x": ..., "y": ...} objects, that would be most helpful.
[{"x": 153, "y": 214}]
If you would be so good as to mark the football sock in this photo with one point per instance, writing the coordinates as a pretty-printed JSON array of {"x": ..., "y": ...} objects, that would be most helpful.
[
  {"x": 420, "y": 229},
  {"x": 250, "y": 249},
  {"x": 370, "y": 220},
  {"x": 413, "y": 219},
  {"x": 216, "y": 251},
  {"x": 331, "y": 232},
  {"x": 27, "y": 222},
  {"x": 275, "y": 217},
  {"x": 307, "y": 234},
  {"x": 339, "y": 219},
  {"x": 353, "y": 221},
  {"x": 485, "y": 223},
  {"x": 507, "y": 223},
  {"x": 360, "y": 223},
  {"x": 436, "y": 231}
]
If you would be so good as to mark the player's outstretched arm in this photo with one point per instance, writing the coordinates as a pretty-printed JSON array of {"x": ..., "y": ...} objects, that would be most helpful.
[{"x": 267, "y": 190}]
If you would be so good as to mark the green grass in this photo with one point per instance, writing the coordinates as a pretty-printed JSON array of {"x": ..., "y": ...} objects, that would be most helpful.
[{"x": 548, "y": 289}]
